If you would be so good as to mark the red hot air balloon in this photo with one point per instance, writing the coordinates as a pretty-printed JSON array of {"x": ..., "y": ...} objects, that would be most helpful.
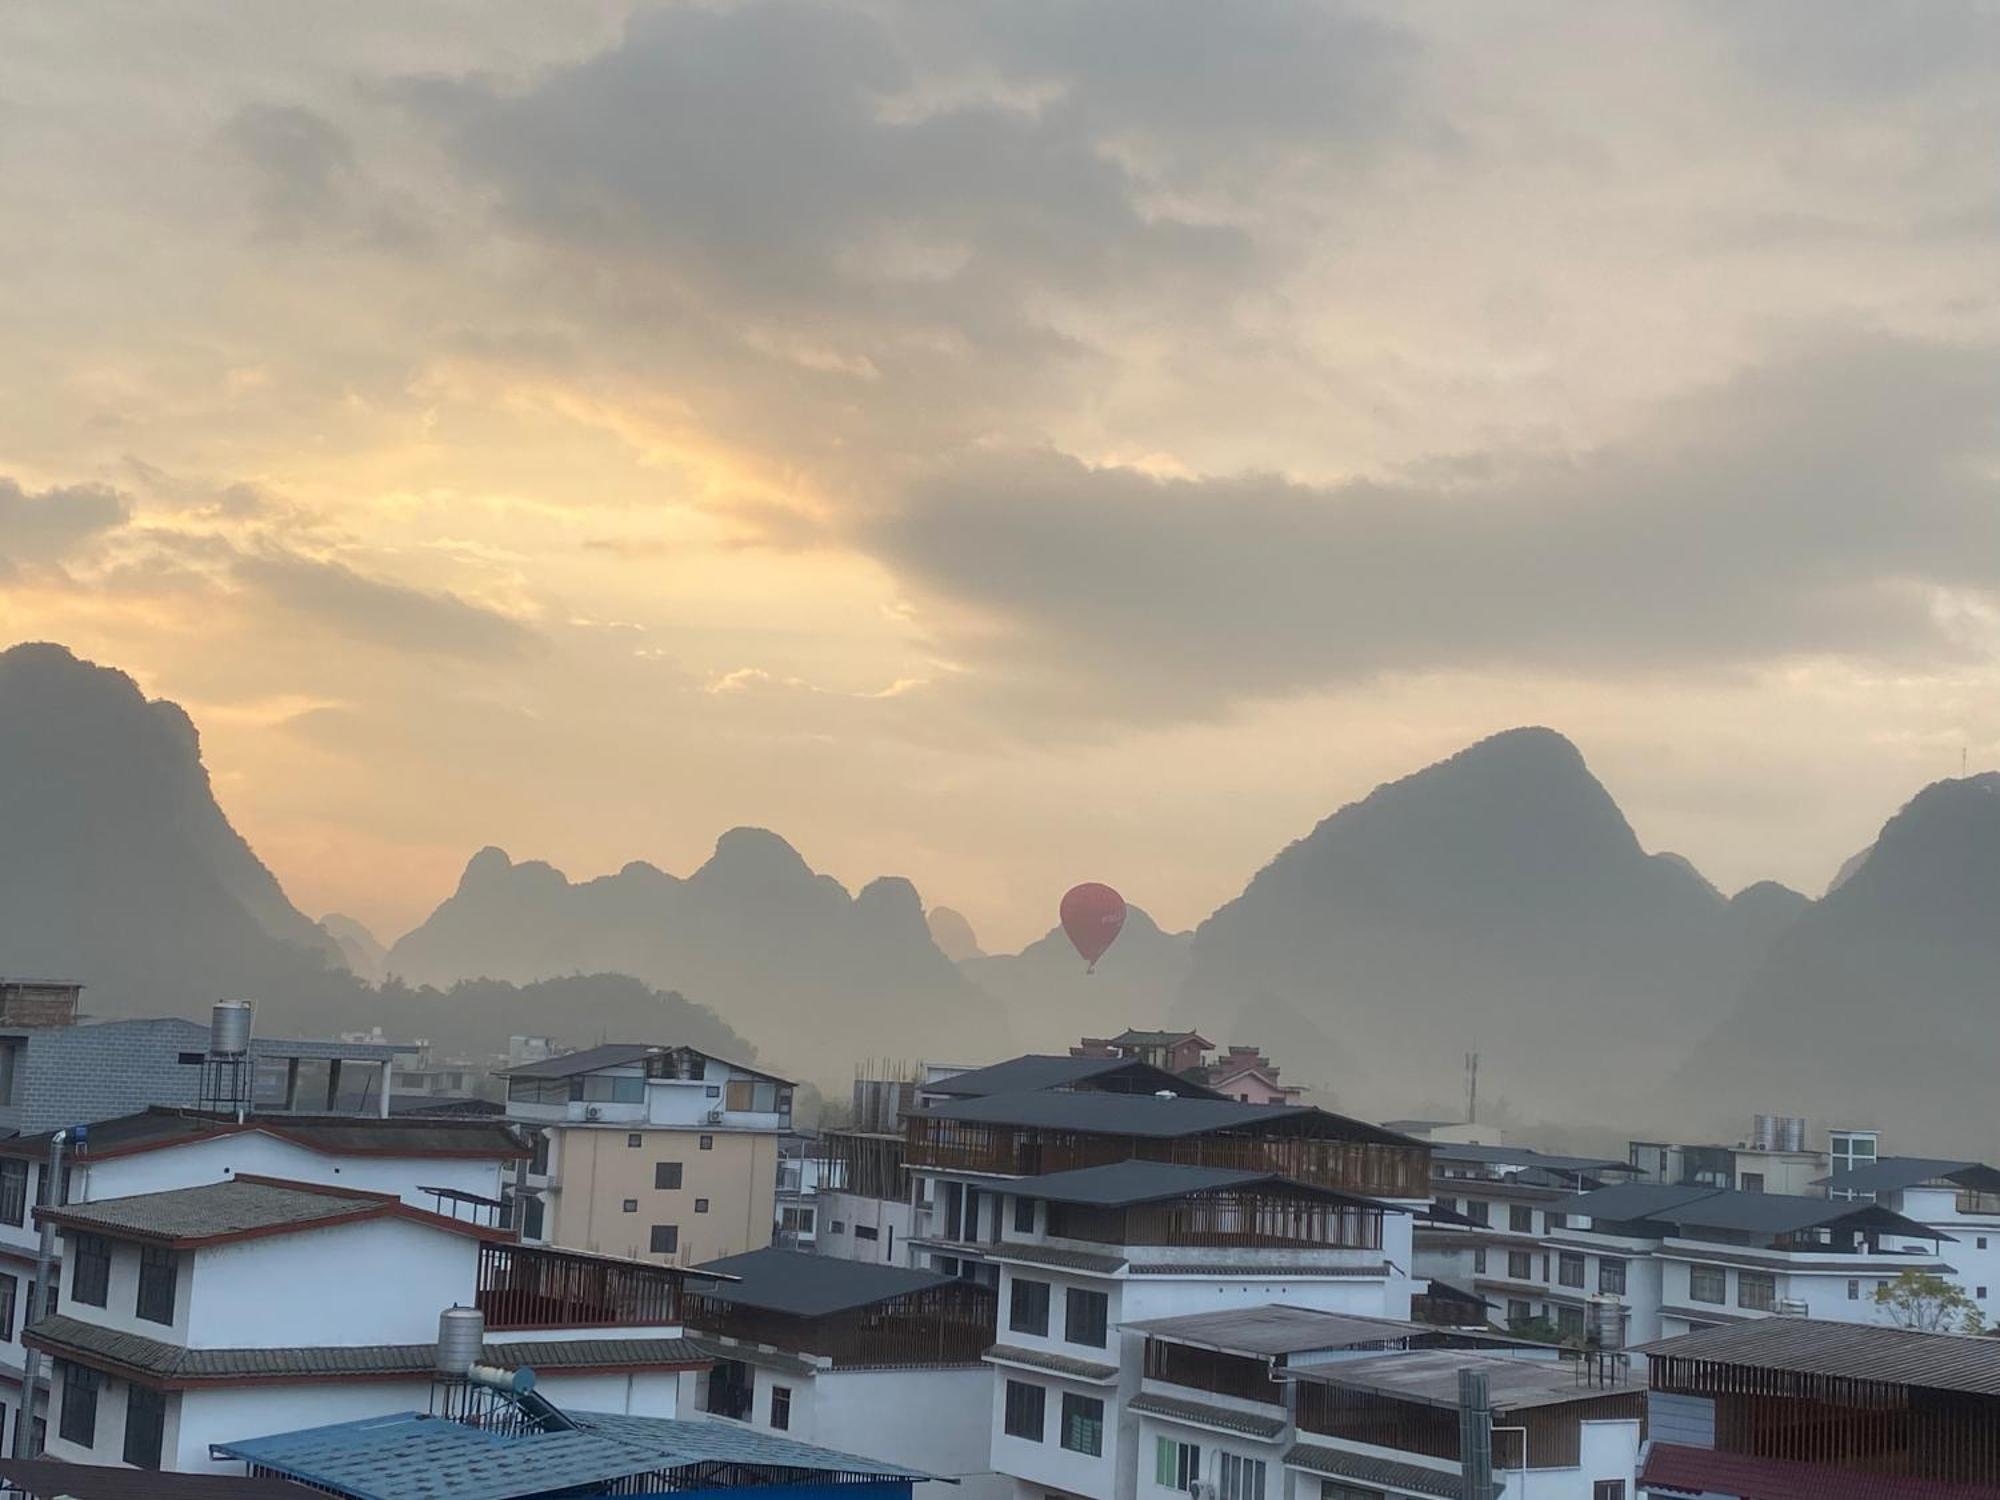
[{"x": 1092, "y": 915}]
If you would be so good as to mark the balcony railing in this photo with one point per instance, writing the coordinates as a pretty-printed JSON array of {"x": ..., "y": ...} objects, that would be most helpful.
[
  {"x": 1244, "y": 1219},
  {"x": 941, "y": 1325},
  {"x": 1211, "y": 1370},
  {"x": 1369, "y": 1167},
  {"x": 532, "y": 1286}
]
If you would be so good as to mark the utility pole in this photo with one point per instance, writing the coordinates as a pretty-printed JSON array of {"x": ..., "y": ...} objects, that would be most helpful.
[
  {"x": 38, "y": 1297},
  {"x": 1471, "y": 1088}
]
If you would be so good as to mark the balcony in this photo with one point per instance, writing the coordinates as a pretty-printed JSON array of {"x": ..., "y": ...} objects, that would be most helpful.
[
  {"x": 1243, "y": 1219},
  {"x": 533, "y": 1286},
  {"x": 940, "y": 1325},
  {"x": 1238, "y": 1376}
]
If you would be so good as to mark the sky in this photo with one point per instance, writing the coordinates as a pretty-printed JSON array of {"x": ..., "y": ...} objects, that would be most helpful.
[{"x": 1006, "y": 442}]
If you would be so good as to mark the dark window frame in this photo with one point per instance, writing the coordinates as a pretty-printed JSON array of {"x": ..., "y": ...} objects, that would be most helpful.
[
  {"x": 781, "y": 1408},
  {"x": 1023, "y": 1405},
  {"x": 670, "y": 1234},
  {"x": 1076, "y": 1421},
  {"x": 159, "y": 1285},
  {"x": 1023, "y": 1314},
  {"x": 1086, "y": 1318},
  {"x": 78, "y": 1420},
  {"x": 668, "y": 1176},
  {"x": 90, "y": 1269},
  {"x": 145, "y": 1425}
]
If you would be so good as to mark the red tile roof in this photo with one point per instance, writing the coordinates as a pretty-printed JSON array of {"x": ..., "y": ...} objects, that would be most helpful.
[{"x": 1674, "y": 1470}]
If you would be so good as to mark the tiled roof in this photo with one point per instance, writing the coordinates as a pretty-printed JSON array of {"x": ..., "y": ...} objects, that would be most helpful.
[
  {"x": 1365, "y": 1468},
  {"x": 172, "y": 1366},
  {"x": 1675, "y": 1470},
  {"x": 1277, "y": 1329},
  {"x": 246, "y": 1207},
  {"x": 1055, "y": 1364},
  {"x": 333, "y": 1135},
  {"x": 1203, "y": 1414}
]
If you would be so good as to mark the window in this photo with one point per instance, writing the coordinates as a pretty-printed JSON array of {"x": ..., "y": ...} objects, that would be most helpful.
[
  {"x": 1519, "y": 1314},
  {"x": 629, "y": 1206},
  {"x": 701, "y": 1205},
  {"x": 538, "y": 1164},
  {"x": 1334, "y": 1489},
  {"x": 145, "y": 1425},
  {"x": 866, "y": 1232},
  {"x": 1520, "y": 1265},
  {"x": 666, "y": 1239},
  {"x": 1608, "y": 1489},
  {"x": 1025, "y": 1405},
  {"x": 713, "y": 1091},
  {"x": 607, "y": 1088},
  {"x": 1028, "y": 1307},
  {"x": 707, "y": 1143},
  {"x": 8, "y": 1288},
  {"x": 1024, "y": 1216},
  {"x": 532, "y": 1219},
  {"x": 1611, "y": 1276},
  {"x": 531, "y": 1091},
  {"x": 1708, "y": 1284},
  {"x": 835, "y": 1226},
  {"x": 730, "y": 1390},
  {"x": 666, "y": 1175},
  {"x": 1084, "y": 1317},
  {"x": 78, "y": 1423},
  {"x": 1479, "y": 1261},
  {"x": 1982, "y": 1242},
  {"x": 1241, "y": 1478},
  {"x": 1756, "y": 1290},
  {"x": 13, "y": 1192},
  {"x": 781, "y": 1408},
  {"x": 1176, "y": 1465},
  {"x": 1569, "y": 1269},
  {"x": 1552, "y": 1222},
  {"x": 1753, "y": 1182},
  {"x": 1082, "y": 1424},
  {"x": 1569, "y": 1322},
  {"x": 1479, "y": 1211},
  {"x": 158, "y": 1271},
  {"x": 1979, "y": 1293},
  {"x": 1521, "y": 1219},
  {"x": 635, "y": 1139},
  {"x": 10, "y": 1054},
  {"x": 90, "y": 1276}
]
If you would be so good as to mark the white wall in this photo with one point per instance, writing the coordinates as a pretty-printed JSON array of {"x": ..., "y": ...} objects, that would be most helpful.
[
  {"x": 381, "y": 1281},
  {"x": 1048, "y": 1462},
  {"x": 218, "y": 1158},
  {"x": 224, "y": 1414},
  {"x": 889, "y": 1220}
]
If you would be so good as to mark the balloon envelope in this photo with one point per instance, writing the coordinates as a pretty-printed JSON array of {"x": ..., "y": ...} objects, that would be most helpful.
[{"x": 1092, "y": 915}]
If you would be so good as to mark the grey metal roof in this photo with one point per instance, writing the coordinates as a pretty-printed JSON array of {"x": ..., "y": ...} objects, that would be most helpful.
[
  {"x": 1635, "y": 1200},
  {"x": 1367, "y": 1469},
  {"x": 1256, "y": 1268},
  {"x": 1156, "y": 1119},
  {"x": 1207, "y": 1415},
  {"x": 1891, "y": 1174},
  {"x": 1055, "y": 1364},
  {"x": 1856, "y": 1351},
  {"x": 333, "y": 1135},
  {"x": 1524, "y": 1156},
  {"x": 1276, "y": 1329},
  {"x": 171, "y": 1364},
  {"x": 812, "y": 1286},
  {"x": 1730, "y": 1209},
  {"x": 53, "y": 1479},
  {"x": 1429, "y": 1377},
  {"x": 589, "y": 1060},
  {"x": 218, "y": 1210},
  {"x": 1055, "y": 1257},
  {"x": 412, "y": 1456}
]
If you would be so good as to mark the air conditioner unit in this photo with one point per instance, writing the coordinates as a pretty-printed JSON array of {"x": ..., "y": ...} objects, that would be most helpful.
[
  {"x": 715, "y": 1115},
  {"x": 1204, "y": 1489},
  {"x": 592, "y": 1112}
]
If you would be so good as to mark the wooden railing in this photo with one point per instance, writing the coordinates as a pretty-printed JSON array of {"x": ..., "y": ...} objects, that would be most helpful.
[
  {"x": 1237, "y": 1375},
  {"x": 531, "y": 1286},
  {"x": 1369, "y": 1167},
  {"x": 1246, "y": 1218},
  {"x": 1534, "y": 1437},
  {"x": 941, "y": 1325}
]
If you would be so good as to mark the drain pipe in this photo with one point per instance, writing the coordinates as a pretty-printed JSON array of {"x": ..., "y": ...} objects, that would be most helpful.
[
  {"x": 1475, "y": 1435},
  {"x": 38, "y": 1299}
]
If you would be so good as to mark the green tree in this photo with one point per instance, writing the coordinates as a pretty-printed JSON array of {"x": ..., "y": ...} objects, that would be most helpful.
[{"x": 1927, "y": 1302}]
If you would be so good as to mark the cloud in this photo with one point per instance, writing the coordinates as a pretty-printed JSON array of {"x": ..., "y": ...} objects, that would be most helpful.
[
  {"x": 1828, "y": 502},
  {"x": 300, "y": 164},
  {"x": 45, "y": 526},
  {"x": 383, "y": 613}
]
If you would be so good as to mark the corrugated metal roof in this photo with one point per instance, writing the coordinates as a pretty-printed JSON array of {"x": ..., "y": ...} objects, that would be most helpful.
[
  {"x": 1894, "y": 1173},
  {"x": 412, "y": 1456},
  {"x": 336, "y": 1135},
  {"x": 811, "y": 1286},
  {"x": 1055, "y": 1364},
  {"x": 173, "y": 1365},
  {"x": 1157, "y": 1119},
  {"x": 1124, "y": 1184},
  {"x": 1857, "y": 1351},
  {"x": 1204, "y": 1414},
  {"x": 1635, "y": 1200},
  {"x": 616, "y": 1055},
  {"x": 1430, "y": 1377},
  {"x": 1672, "y": 1469},
  {"x": 1037, "y": 1071},
  {"x": 1276, "y": 1329},
  {"x": 1524, "y": 1156},
  {"x": 1730, "y": 1209},
  {"x": 1368, "y": 1469},
  {"x": 52, "y": 1479}
]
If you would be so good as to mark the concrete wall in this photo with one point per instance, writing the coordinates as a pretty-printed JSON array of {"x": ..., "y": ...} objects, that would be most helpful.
[
  {"x": 219, "y": 1158},
  {"x": 595, "y": 1171},
  {"x": 853, "y": 1213}
]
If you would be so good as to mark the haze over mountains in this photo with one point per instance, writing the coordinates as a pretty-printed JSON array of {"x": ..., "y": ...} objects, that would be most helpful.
[{"x": 1498, "y": 900}]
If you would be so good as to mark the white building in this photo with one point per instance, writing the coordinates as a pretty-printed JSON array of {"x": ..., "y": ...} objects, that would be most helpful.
[
  {"x": 1694, "y": 1257},
  {"x": 208, "y": 1314},
  {"x": 1957, "y": 1201},
  {"x": 883, "y": 1361},
  {"x": 452, "y": 1166}
]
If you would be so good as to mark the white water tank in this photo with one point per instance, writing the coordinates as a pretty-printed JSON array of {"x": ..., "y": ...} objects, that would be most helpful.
[
  {"x": 461, "y": 1339},
  {"x": 229, "y": 1028}
]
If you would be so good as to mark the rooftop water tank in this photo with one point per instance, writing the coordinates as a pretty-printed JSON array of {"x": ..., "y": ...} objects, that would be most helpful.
[
  {"x": 229, "y": 1028},
  {"x": 461, "y": 1340},
  {"x": 1605, "y": 1324}
]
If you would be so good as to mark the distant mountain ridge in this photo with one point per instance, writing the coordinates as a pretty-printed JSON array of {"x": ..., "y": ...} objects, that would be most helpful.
[
  {"x": 1050, "y": 994},
  {"x": 1497, "y": 901},
  {"x": 778, "y": 950}
]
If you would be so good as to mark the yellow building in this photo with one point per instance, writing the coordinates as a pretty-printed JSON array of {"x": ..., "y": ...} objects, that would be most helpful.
[{"x": 662, "y": 1153}]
